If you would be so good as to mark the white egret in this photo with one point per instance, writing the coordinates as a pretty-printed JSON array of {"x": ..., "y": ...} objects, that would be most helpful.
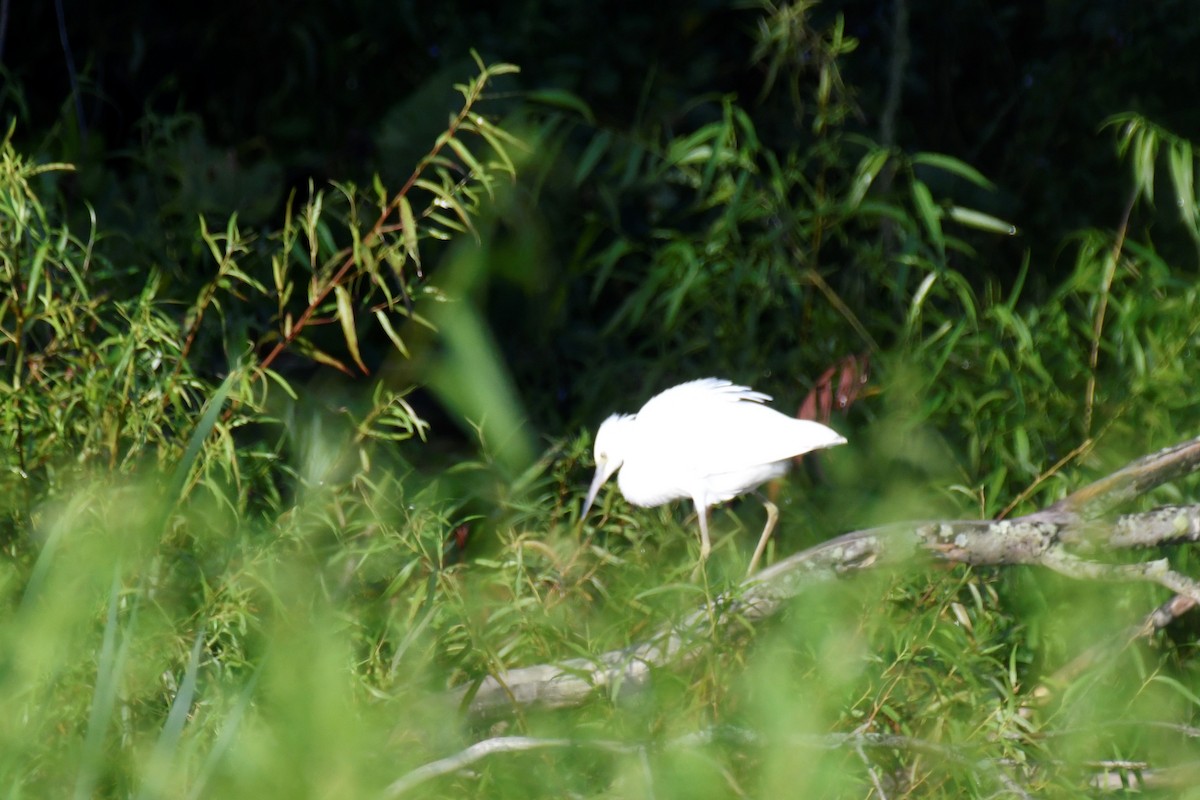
[{"x": 709, "y": 440}]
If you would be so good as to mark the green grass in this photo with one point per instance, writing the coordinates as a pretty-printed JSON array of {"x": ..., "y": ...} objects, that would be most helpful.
[{"x": 312, "y": 656}]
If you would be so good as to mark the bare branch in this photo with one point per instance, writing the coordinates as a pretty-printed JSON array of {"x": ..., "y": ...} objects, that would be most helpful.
[
  {"x": 1164, "y": 525},
  {"x": 859, "y": 741},
  {"x": 1133, "y": 480},
  {"x": 489, "y": 747},
  {"x": 1155, "y": 621},
  {"x": 1126, "y": 778},
  {"x": 1035, "y": 539}
]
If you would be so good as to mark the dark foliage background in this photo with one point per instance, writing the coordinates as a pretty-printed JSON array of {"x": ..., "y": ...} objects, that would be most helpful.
[
  {"x": 1018, "y": 90},
  {"x": 317, "y": 90}
]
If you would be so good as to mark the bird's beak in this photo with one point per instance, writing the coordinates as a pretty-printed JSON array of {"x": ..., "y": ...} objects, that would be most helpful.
[{"x": 604, "y": 471}]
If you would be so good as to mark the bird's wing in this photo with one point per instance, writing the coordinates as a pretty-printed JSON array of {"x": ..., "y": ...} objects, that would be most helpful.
[
  {"x": 712, "y": 426},
  {"x": 706, "y": 393},
  {"x": 748, "y": 435}
]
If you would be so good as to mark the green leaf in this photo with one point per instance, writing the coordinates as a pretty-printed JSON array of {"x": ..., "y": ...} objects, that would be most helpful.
[
  {"x": 408, "y": 232},
  {"x": 279, "y": 381},
  {"x": 196, "y": 441},
  {"x": 1179, "y": 688},
  {"x": 1145, "y": 154},
  {"x": 489, "y": 134},
  {"x": 452, "y": 204},
  {"x": 502, "y": 69},
  {"x": 445, "y": 222},
  {"x": 918, "y": 299},
  {"x": 560, "y": 98},
  {"x": 1021, "y": 445},
  {"x": 320, "y": 356},
  {"x": 109, "y": 673},
  {"x": 168, "y": 740},
  {"x": 591, "y": 155},
  {"x": 1183, "y": 179},
  {"x": 931, "y": 215},
  {"x": 380, "y": 191},
  {"x": 35, "y": 276},
  {"x": 1128, "y": 124},
  {"x": 984, "y": 222},
  {"x": 953, "y": 166},
  {"x": 386, "y": 324},
  {"x": 424, "y": 183},
  {"x": 345, "y": 309},
  {"x": 468, "y": 158},
  {"x": 864, "y": 177}
]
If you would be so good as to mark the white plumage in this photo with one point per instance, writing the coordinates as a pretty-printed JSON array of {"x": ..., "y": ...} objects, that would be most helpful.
[{"x": 708, "y": 440}]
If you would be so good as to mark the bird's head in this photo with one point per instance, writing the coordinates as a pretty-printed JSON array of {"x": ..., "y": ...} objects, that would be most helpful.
[{"x": 609, "y": 453}]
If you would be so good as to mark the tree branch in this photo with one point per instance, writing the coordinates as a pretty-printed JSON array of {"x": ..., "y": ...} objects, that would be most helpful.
[
  {"x": 858, "y": 740},
  {"x": 1036, "y": 539},
  {"x": 1136, "y": 478}
]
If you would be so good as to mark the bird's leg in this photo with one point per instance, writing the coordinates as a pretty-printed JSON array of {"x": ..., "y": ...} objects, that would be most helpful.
[
  {"x": 772, "y": 518},
  {"x": 705, "y": 544}
]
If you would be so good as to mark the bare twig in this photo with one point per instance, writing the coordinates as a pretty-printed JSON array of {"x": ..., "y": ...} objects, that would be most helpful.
[
  {"x": 1138, "y": 477},
  {"x": 490, "y": 747},
  {"x": 1158, "y": 571},
  {"x": 1131, "y": 779},
  {"x": 872, "y": 773},
  {"x": 1186, "y": 731},
  {"x": 897, "y": 67},
  {"x": 859, "y": 741},
  {"x": 1155, "y": 621},
  {"x": 1110, "y": 271},
  {"x": 1082, "y": 448}
]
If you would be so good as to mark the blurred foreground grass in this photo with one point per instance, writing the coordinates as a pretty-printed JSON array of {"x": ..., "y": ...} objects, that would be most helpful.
[{"x": 194, "y": 652}]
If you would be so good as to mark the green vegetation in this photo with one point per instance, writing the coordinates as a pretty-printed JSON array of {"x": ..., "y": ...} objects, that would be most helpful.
[{"x": 281, "y": 470}]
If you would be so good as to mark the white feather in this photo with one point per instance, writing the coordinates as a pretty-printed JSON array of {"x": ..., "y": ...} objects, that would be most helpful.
[{"x": 709, "y": 440}]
